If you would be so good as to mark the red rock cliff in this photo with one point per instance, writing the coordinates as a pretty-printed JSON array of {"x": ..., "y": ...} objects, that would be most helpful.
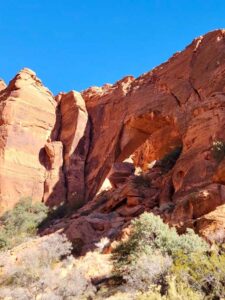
[{"x": 62, "y": 149}]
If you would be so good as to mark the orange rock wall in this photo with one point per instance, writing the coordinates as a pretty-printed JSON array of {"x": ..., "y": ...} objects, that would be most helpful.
[
  {"x": 62, "y": 149},
  {"x": 27, "y": 117},
  {"x": 181, "y": 101}
]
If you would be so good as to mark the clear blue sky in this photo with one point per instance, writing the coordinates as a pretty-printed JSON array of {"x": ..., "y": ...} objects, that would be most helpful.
[{"x": 75, "y": 44}]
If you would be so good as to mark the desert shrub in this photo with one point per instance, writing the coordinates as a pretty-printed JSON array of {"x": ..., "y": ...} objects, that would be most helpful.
[
  {"x": 54, "y": 213},
  {"x": 147, "y": 270},
  {"x": 17, "y": 293},
  {"x": 175, "y": 291},
  {"x": 204, "y": 272},
  {"x": 43, "y": 267},
  {"x": 21, "y": 222},
  {"x": 153, "y": 294},
  {"x": 146, "y": 257},
  {"x": 218, "y": 150},
  {"x": 34, "y": 256},
  {"x": 169, "y": 160},
  {"x": 190, "y": 242},
  {"x": 74, "y": 285},
  {"x": 149, "y": 234},
  {"x": 117, "y": 295},
  {"x": 95, "y": 264},
  {"x": 52, "y": 249}
]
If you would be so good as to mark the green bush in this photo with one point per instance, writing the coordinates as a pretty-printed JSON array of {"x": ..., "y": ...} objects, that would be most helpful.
[
  {"x": 147, "y": 256},
  {"x": 175, "y": 291},
  {"x": 218, "y": 150},
  {"x": 159, "y": 262},
  {"x": 21, "y": 222},
  {"x": 150, "y": 234},
  {"x": 204, "y": 272}
]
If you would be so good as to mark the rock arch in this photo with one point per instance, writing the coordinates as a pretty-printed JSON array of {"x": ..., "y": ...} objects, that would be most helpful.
[
  {"x": 180, "y": 97},
  {"x": 180, "y": 102}
]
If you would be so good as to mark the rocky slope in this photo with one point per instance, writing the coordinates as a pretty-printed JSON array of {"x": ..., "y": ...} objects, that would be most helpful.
[{"x": 62, "y": 149}]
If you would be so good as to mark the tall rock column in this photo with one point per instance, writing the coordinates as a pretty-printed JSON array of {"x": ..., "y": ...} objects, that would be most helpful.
[
  {"x": 74, "y": 135},
  {"x": 54, "y": 186},
  {"x": 27, "y": 117}
]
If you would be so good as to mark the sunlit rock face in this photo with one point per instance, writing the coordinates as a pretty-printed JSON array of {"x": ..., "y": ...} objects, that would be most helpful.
[
  {"x": 180, "y": 103},
  {"x": 74, "y": 135},
  {"x": 2, "y": 85},
  {"x": 27, "y": 117},
  {"x": 62, "y": 149},
  {"x": 55, "y": 182},
  {"x": 43, "y": 143}
]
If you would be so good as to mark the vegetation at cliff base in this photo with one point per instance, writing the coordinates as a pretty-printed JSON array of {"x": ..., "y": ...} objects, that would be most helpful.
[
  {"x": 21, "y": 222},
  {"x": 218, "y": 150},
  {"x": 43, "y": 269},
  {"x": 158, "y": 262},
  {"x": 154, "y": 262}
]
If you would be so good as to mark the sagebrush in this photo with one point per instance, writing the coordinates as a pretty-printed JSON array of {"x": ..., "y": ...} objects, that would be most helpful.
[
  {"x": 21, "y": 222},
  {"x": 156, "y": 260}
]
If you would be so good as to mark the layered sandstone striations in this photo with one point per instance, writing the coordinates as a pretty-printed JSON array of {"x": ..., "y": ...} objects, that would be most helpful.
[
  {"x": 180, "y": 103},
  {"x": 27, "y": 116},
  {"x": 74, "y": 135},
  {"x": 2, "y": 85},
  {"x": 39, "y": 139},
  {"x": 63, "y": 149}
]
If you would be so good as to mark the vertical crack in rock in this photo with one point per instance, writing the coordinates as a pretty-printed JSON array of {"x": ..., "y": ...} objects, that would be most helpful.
[
  {"x": 198, "y": 43},
  {"x": 176, "y": 98},
  {"x": 54, "y": 185},
  {"x": 74, "y": 135},
  {"x": 194, "y": 89}
]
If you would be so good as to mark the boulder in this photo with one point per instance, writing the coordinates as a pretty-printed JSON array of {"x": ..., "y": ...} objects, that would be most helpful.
[
  {"x": 119, "y": 173},
  {"x": 212, "y": 225}
]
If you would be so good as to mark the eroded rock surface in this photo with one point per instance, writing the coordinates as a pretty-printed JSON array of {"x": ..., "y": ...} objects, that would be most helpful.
[
  {"x": 2, "y": 85},
  {"x": 119, "y": 173},
  {"x": 179, "y": 102},
  {"x": 54, "y": 187},
  {"x": 64, "y": 148},
  {"x": 27, "y": 117},
  {"x": 74, "y": 135}
]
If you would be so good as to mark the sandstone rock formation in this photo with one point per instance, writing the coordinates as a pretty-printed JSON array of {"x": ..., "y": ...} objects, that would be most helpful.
[
  {"x": 74, "y": 135},
  {"x": 27, "y": 117},
  {"x": 44, "y": 143},
  {"x": 183, "y": 99},
  {"x": 120, "y": 172},
  {"x": 179, "y": 98},
  {"x": 2, "y": 85},
  {"x": 54, "y": 185},
  {"x": 62, "y": 149}
]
